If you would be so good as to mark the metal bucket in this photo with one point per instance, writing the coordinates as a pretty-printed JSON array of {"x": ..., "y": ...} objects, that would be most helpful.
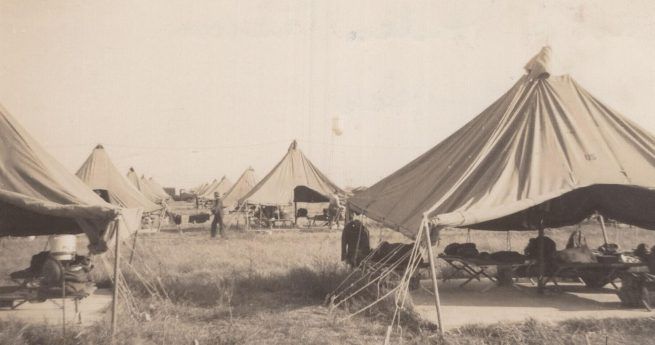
[{"x": 63, "y": 247}]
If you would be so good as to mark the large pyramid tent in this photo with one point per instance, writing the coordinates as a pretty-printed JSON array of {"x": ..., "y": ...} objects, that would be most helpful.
[
  {"x": 546, "y": 151},
  {"x": 294, "y": 170},
  {"x": 220, "y": 187},
  {"x": 144, "y": 188},
  {"x": 244, "y": 184},
  {"x": 100, "y": 174},
  {"x": 38, "y": 196}
]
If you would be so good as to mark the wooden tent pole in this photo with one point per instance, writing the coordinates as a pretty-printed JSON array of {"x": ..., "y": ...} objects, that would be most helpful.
[
  {"x": 602, "y": 226},
  {"x": 114, "y": 305},
  {"x": 542, "y": 266},
  {"x": 433, "y": 274}
]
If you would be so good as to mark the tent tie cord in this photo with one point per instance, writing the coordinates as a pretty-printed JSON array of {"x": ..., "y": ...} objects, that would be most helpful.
[
  {"x": 379, "y": 266},
  {"x": 386, "y": 271}
]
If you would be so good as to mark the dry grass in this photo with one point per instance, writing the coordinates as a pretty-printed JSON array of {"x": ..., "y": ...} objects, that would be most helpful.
[{"x": 269, "y": 289}]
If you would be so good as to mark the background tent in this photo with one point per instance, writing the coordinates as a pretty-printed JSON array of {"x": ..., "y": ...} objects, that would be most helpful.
[
  {"x": 294, "y": 170},
  {"x": 100, "y": 174},
  {"x": 134, "y": 178},
  {"x": 220, "y": 187},
  {"x": 547, "y": 151},
  {"x": 158, "y": 188},
  {"x": 38, "y": 196},
  {"x": 155, "y": 189},
  {"x": 144, "y": 188},
  {"x": 244, "y": 184},
  {"x": 203, "y": 187}
]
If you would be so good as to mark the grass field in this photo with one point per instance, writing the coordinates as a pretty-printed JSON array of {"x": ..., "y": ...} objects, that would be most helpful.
[{"x": 269, "y": 289}]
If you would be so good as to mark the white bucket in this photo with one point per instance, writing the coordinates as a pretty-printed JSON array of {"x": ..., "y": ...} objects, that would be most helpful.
[{"x": 63, "y": 247}]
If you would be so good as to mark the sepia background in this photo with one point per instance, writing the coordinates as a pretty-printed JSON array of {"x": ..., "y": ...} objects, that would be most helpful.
[{"x": 189, "y": 91}]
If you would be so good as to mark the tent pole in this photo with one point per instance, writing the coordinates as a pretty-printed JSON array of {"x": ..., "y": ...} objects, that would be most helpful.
[
  {"x": 114, "y": 305},
  {"x": 542, "y": 268},
  {"x": 433, "y": 274},
  {"x": 602, "y": 226}
]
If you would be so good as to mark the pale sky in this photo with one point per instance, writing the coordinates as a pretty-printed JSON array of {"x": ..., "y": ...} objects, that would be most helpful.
[{"x": 188, "y": 91}]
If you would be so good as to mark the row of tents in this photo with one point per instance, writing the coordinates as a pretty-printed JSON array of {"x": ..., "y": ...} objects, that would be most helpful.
[
  {"x": 547, "y": 143},
  {"x": 131, "y": 191}
]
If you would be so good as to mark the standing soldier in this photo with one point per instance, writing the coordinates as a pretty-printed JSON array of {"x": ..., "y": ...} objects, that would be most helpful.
[
  {"x": 217, "y": 210},
  {"x": 334, "y": 210}
]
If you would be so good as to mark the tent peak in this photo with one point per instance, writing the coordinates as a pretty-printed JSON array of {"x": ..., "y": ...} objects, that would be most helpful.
[
  {"x": 99, "y": 147},
  {"x": 294, "y": 145},
  {"x": 131, "y": 169},
  {"x": 539, "y": 65}
]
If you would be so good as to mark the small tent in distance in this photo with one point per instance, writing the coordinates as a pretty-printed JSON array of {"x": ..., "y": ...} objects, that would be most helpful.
[
  {"x": 244, "y": 184},
  {"x": 220, "y": 187},
  {"x": 101, "y": 175},
  {"x": 294, "y": 170},
  {"x": 154, "y": 189},
  {"x": 160, "y": 189},
  {"x": 144, "y": 188}
]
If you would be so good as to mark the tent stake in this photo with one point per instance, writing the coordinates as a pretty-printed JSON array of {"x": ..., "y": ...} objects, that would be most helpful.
[
  {"x": 433, "y": 274},
  {"x": 114, "y": 305}
]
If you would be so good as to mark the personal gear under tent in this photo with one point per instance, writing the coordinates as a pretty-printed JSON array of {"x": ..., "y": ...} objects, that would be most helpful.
[
  {"x": 38, "y": 196},
  {"x": 294, "y": 170},
  {"x": 144, "y": 188},
  {"x": 220, "y": 187},
  {"x": 241, "y": 187},
  {"x": 546, "y": 154},
  {"x": 101, "y": 175}
]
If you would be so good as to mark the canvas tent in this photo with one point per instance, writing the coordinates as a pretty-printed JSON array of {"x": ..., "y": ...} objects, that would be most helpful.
[
  {"x": 220, "y": 187},
  {"x": 100, "y": 174},
  {"x": 546, "y": 154},
  {"x": 143, "y": 187},
  {"x": 244, "y": 184},
  {"x": 203, "y": 187},
  {"x": 294, "y": 170},
  {"x": 153, "y": 188},
  {"x": 546, "y": 151},
  {"x": 158, "y": 188},
  {"x": 38, "y": 196}
]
